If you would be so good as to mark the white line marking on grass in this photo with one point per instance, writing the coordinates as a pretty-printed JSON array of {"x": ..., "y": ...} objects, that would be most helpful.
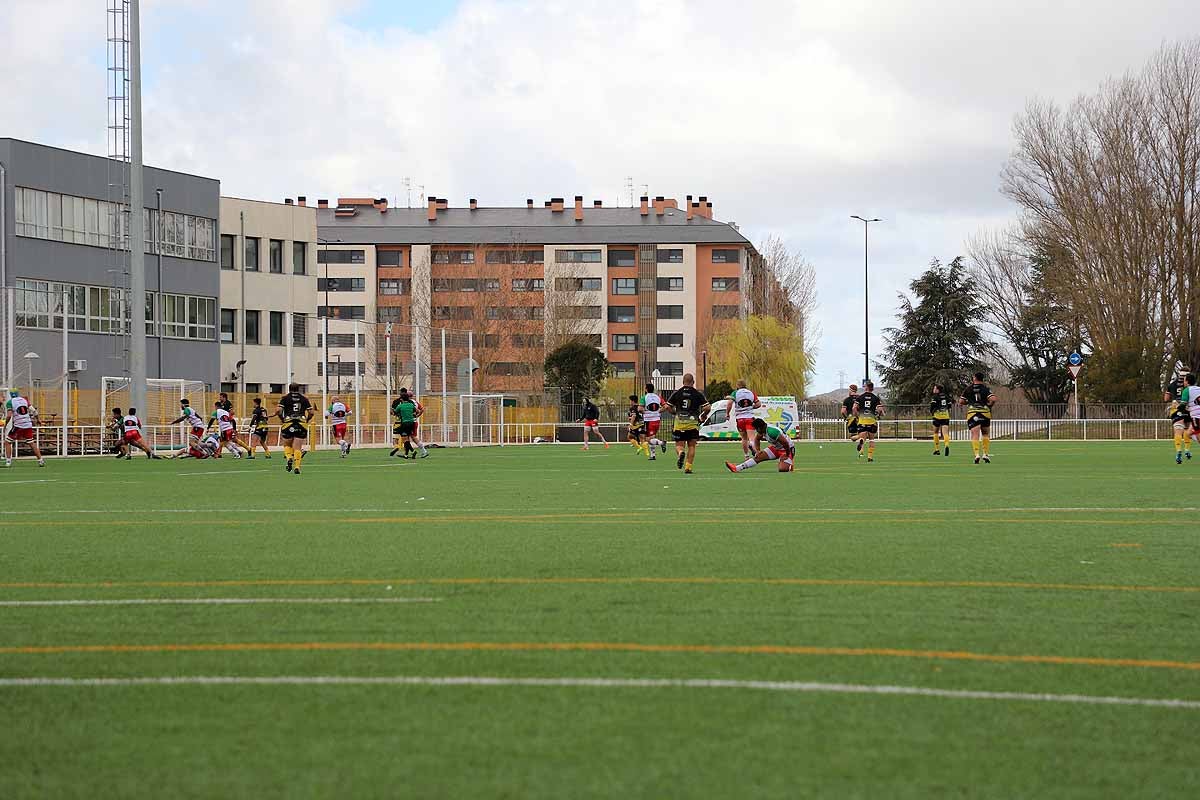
[
  {"x": 220, "y": 601},
  {"x": 36, "y": 480},
  {"x": 629, "y": 509},
  {"x": 605, "y": 683}
]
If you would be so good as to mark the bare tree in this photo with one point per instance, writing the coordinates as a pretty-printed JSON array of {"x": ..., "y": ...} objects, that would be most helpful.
[{"x": 783, "y": 285}]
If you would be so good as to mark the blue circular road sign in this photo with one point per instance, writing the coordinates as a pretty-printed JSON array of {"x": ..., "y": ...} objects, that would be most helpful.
[{"x": 1074, "y": 359}]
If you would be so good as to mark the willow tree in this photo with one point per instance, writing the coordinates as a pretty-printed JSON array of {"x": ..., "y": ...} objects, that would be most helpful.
[{"x": 769, "y": 354}]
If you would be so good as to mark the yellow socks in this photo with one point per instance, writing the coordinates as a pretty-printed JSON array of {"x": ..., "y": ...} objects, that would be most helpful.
[
  {"x": 1178, "y": 441},
  {"x": 987, "y": 445},
  {"x": 287, "y": 452},
  {"x": 299, "y": 455},
  {"x": 871, "y": 449},
  {"x": 975, "y": 447}
]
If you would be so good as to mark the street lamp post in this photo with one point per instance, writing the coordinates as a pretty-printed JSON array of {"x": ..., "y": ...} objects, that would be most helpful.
[
  {"x": 338, "y": 356},
  {"x": 866, "y": 296},
  {"x": 30, "y": 357}
]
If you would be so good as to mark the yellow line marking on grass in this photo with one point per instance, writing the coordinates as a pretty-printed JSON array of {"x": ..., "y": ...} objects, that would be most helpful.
[
  {"x": 609, "y": 581},
  {"x": 1125, "y": 544},
  {"x": 603, "y": 647}
]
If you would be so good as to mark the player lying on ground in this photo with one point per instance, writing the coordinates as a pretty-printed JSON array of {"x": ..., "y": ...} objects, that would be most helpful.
[
  {"x": 777, "y": 446},
  {"x": 198, "y": 447},
  {"x": 743, "y": 404},
  {"x": 868, "y": 408},
  {"x": 295, "y": 412},
  {"x": 133, "y": 435},
  {"x": 19, "y": 418},
  {"x": 688, "y": 405},
  {"x": 939, "y": 411},
  {"x": 978, "y": 399},
  {"x": 591, "y": 422},
  {"x": 338, "y": 414}
]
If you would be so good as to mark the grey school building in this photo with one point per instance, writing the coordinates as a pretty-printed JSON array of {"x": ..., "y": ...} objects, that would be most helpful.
[{"x": 57, "y": 225}]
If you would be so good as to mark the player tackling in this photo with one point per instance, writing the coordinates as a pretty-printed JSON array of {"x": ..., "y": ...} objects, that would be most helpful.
[
  {"x": 777, "y": 446},
  {"x": 744, "y": 404}
]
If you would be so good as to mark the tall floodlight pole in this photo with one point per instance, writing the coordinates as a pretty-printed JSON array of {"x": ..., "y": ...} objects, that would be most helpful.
[
  {"x": 137, "y": 266},
  {"x": 866, "y": 295}
]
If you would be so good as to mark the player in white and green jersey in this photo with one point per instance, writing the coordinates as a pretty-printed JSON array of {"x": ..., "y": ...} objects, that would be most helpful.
[
  {"x": 652, "y": 404},
  {"x": 775, "y": 445},
  {"x": 1189, "y": 398}
]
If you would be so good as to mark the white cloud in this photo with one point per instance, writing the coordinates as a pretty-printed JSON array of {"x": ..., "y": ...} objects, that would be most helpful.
[{"x": 790, "y": 116}]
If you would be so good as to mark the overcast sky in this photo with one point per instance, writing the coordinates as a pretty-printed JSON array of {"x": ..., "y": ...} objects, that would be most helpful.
[{"x": 790, "y": 116}]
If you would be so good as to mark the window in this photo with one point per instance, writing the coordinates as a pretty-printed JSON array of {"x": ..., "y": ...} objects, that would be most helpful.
[
  {"x": 389, "y": 258},
  {"x": 202, "y": 323},
  {"x": 454, "y": 257},
  {"x": 670, "y": 284},
  {"x": 252, "y": 245},
  {"x": 724, "y": 284},
  {"x": 228, "y": 323},
  {"x": 173, "y": 315},
  {"x": 514, "y": 257},
  {"x": 252, "y": 318},
  {"x": 670, "y": 256},
  {"x": 341, "y": 284},
  {"x": 226, "y": 251},
  {"x": 622, "y": 369},
  {"x": 620, "y": 314},
  {"x": 395, "y": 286},
  {"x": 299, "y": 258},
  {"x": 622, "y": 258},
  {"x": 342, "y": 312},
  {"x": 508, "y": 368},
  {"x": 624, "y": 285},
  {"x": 577, "y": 256},
  {"x": 670, "y": 367},
  {"x": 670, "y": 340},
  {"x": 327, "y": 256},
  {"x": 670, "y": 312},
  {"x": 455, "y": 284},
  {"x": 489, "y": 284},
  {"x": 299, "y": 329},
  {"x": 580, "y": 312},
  {"x": 275, "y": 256},
  {"x": 528, "y": 340},
  {"x": 342, "y": 340},
  {"x": 277, "y": 388},
  {"x": 594, "y": 339},
  {"x": 344, "y": 369},
  {"x": 577, "y": 284},
  {"x": 624, "y": 341},
  {"x": 453, "y": 312},
  {"x": 389, "y": 314},
  {"x": 276, "y": 331},
  {"x": 253, "y": 388},
  {"x": 725, "y": 312},
  {"x": 515, "y": 312},
  {"x": 226, "y": 386},
  {"x": 491, "y": 340},
  {"x": 725, "y": 256},
  {"x": 528, "y": 284}
]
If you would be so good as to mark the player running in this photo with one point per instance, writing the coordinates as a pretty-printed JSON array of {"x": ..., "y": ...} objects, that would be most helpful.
[
  {"x": 744, "y": 403},
  {"x": 227, "y": 431},
  {"x": 847, "y": 413},
  {"x": 778, "y": 446},
  {"x": 116, "y": 426},
  {"x": 868, "y": 408},
  {"x": 939, "y": 410},
  {"x": 258, "y": 429},
  {"x": 295, "y": 412},
  {"x": 688, "y": 405},
  {"x": 591, "y": 422},
  {"x": 406, "y": 411},
  {"x": 133, "y": 435},
  {"x": 190, "y": 416},
  {"x": 19, "y": 417},
  {"x": 1190, "y": 397},
  {"x": 637, "y": 427},
  {"x": 978, "y": 399},
  {"x": 339, "y": 413},
  {"x": 652, "y": 404},
  {"x": 1180, "y": 418}
]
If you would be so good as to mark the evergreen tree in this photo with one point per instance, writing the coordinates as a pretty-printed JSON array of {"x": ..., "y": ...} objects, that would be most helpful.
[
  {"x": 938, "y": 339},
  {"x": 576, "y": 369},
  {"x": 1042, "y": 336}
]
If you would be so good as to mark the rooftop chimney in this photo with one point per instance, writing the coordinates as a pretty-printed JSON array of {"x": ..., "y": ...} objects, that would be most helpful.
[
  {"x": 322, "y": 204},
  {"x": 597, "y": 204},
  {"x": 690, "y": 208},
  {"x": 381, "y": 204},
  {"x": 645, "y": 205},
  {"x": 301, "y": 200},
  {"x": 547, "y": 204},
  {"x": 443, "y": 204},
  {"x": 474, "y": 204},
  {"x": 556, "y": 204},
  {"x": 529, "y": 202},
  {"x": 659, "y": 205},
  {"x": 287, "y": 201},
  {"x": 433, "y": 206},
  {"x": 579, "y": 208}
]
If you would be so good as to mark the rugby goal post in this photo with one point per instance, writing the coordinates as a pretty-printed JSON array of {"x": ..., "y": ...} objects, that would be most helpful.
[
  {"x": 480, "y": 419},
  {"x": 162, "y": 402}
]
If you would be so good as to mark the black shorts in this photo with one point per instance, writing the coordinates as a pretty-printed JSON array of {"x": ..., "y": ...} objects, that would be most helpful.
[
  {"x": 940, "y": 423},
  {"x": 686, "y": 435},
  {"x": 294, "y": 429},
  {"x": 981, "y": 421},
  {"x": 852, "y": 427},
  {"x": 404, "y": 429},
  {"x": 261, "y": 434},
  {"x": 637, "y": 433},
  {"x": 871, "y": 429}
]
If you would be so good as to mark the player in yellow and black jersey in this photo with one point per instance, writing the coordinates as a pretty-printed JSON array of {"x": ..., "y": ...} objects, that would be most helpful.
[
  {"x": 939, "y": 412},
  {"x": 978, "y": 399},
  {"x": 637, "y": 425},
  {"x": 258, "y": 428},
  {"x": 847, "y": 412},
  {"x": 295, "y": 412},
  {"x": 1181, "y": 419},
  {"x": 868, "y": 408}
]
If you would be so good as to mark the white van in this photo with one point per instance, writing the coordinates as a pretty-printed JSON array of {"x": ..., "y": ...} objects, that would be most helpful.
[{"x": 781, "y": 412}]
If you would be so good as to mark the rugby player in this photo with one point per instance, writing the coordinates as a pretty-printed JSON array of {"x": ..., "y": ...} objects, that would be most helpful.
[
  {"x": 688, "y": 405},
  {"x": 295, "y": 412},
  {"x": 190, "y": 416},
  {"x": 978, "y": 399},
  {"x": 338, "y": 412},
  {"x": 743, "y": 404},
  {"x": 19, "y": 418},
  {"x": 652, "y": 404},
  {"x": 1180, "y": 418},
  {"x": 227, "y": 430},
  {"x": 868, "y": 408},
  {"x": 406, "y": 411},
  {"x": 591, "y": 422},
  {"x": 258, "y": 428},
  {"x": 847, "y": 413},
  {"x": 133, "y": 435},
  {"x": 116, "y": 427},
  {"x": 1190, "y": 397},
  {"x": 778, "y": 446},
  {"x": 637, "y": 427},
  {"x": 939, "y": 409},
  {"x": 223, "y": 399}
]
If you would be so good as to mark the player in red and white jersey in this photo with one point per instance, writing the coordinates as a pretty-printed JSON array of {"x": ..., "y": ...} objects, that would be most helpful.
[
  {"x": 744, "y": 404},
  {"x": 227, "y": 431},
  {"x": 18, "y": 418},
  {"x": 188, "y": 414},
  {"x": 338, "y": 414},
  {"x": 652, "y": 404},
  {"x": 133, "y": 434}
]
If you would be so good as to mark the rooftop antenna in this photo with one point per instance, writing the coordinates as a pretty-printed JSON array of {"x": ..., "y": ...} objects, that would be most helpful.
[
  {"x": 629, "y": 190},
  {"x": 407, "y": 192}
]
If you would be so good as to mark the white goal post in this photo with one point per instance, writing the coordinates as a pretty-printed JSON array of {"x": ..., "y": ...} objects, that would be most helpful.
[
  {"x": 480, "y": 419},
  {"x": 162, "y": 397}
]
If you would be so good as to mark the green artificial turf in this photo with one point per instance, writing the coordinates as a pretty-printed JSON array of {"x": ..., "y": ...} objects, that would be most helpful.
[{"x": 912, "y": 571}]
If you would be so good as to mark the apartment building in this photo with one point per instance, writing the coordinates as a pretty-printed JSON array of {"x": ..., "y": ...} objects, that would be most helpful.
[
  {"x": 268, "y": 257},
  {"x": 61, "y": 238},
  {"x": 646, "y": 285},
  {"x": 346, "y": 304}
]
